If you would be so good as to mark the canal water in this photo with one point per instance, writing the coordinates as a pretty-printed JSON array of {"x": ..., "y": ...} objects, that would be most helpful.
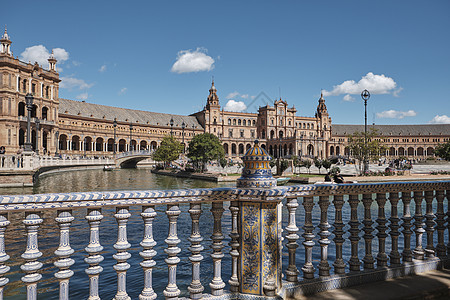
[{"x": 141, "y": 179}]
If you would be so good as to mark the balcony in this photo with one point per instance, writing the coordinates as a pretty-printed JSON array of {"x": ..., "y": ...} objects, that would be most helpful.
[{"x": 221, "y": 242}]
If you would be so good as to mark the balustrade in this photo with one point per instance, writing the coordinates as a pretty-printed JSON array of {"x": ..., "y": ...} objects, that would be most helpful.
[{"x": 341, "y": 230}]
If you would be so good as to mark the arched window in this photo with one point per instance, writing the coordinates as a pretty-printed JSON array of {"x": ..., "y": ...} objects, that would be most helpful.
[
  {"x": 44, "y": 113},
  {"x": 234, "y": 121},
  {"x": 244, "y": 122},
  {"x": 21, "y": 109},
  {"x": 263, "y": 134},
  {"x": 253, "y": 122},
  {"x": 229, "y": 121},
  {"x": 239, "y": 122}
]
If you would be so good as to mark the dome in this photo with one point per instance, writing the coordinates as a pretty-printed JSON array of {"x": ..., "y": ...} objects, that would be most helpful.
[{"x": 257, "y": 172}]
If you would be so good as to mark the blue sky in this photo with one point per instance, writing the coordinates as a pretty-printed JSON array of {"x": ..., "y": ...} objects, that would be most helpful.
[{"x": 161, "y": 55}]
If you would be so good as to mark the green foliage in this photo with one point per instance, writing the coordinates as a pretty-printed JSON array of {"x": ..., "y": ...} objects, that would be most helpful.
[
  {"x": 326, "y": 164},
  {"x": 284, "y": 164},
  {"x": 204, "y": 148},
  {"x": 307, "y": 164},
  {"x": 318, "y": 163},
  {"x": 169, "y": 150},
  {"x": 443, "y": 151},
  {"x": 223, "y": 162},
  {"x": 273, "y": 163},
  {"x": 334, "y": 170},
  {"x": 362, "y": 151}
]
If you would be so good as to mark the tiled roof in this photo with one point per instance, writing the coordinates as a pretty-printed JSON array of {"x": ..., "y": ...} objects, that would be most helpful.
[
  {"x": 395, "y": 130},
  {"x": 97, "y": 111}
]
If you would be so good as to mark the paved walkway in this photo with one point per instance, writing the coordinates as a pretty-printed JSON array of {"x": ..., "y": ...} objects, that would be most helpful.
[{"x": 429, "y": 285}]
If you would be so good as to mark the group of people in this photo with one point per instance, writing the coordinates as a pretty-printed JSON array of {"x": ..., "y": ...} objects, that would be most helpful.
[{"x": 337, "y": 178}]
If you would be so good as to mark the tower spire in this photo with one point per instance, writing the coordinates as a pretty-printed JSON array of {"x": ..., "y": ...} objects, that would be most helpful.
[
  {"x": 5, "y": 43},
  {"x": 52, "y": 62}
]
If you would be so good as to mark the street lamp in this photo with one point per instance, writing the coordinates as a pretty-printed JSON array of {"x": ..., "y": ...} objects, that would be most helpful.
[
  {"x": 193, "y": 130},
  {"x": 183, "y": 126},
  {"x": 171, "y": 126},
  {"x": 114, "y": 146},
  {"x": 131, "y": 141},
  {"x": 38, "y": 127},
  {"x": 365, "y": 95},
  {"x": 29, "y": 103}
]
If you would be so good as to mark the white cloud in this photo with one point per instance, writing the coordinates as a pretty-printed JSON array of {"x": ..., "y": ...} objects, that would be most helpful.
[
  {"x": 102, "y": 69},
  {"x": 232, "y": 95},
  {"x": 348, "y": 98},
  {"x": 237, "y": 94},
  {"x": 235, "y": 106},
  {"x": 193, "y": 61},
  {"x": 40, "y": 54},
  {"x": 395, "y": 114},
  {"x": 82, "y": 96},
  {"x": 397, "y": 91},
  {"x": 444, "y": 119},
  {"x": 71, "y": 83},
  {"x": 76, "y": 63},
  {"x": 375, "y": 84},
  {"x": 122, "y": 91},
  {"x": 245, "y": 96}
]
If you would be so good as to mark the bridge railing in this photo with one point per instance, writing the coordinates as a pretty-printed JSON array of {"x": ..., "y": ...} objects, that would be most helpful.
[
  {"x": 365, "y": 244},
  {"x": 135, "y": 152},
  {"x": 34, "y": 162}
]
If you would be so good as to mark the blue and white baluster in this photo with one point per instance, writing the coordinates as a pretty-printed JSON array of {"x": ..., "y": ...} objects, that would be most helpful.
[
  {"x": 339, "y": 264},
  {"x": 31, "y": 254},
  {"x": 3, "y": 256},
  {"x": 195, "y": 288},
  {"x": 394, "y": 226},
  {"x": 324, "y": 267},
  {"x": 234, "y": 244},
  {"x": 308, "y": 268},
  {"x": 172, "y": 291},
  {"x": 354, "y": 262},
  {"x": 430, "y": 223},
  {"x": 148, "y": 215},
  {"x": 407, "y": 232},
  {"x": 419, "y": 253},
  {"x": 382, "y": 257},
  {"x": 217, "y": 237},
  {"x": 64, "y": 219},
  {"x": 122, "y": 245},
  {"x": 94, "y": 217},
  {"x": 368, "y": 229},
  {"x": 292, "y": 237},
  {"x": 440, "y": 227}
]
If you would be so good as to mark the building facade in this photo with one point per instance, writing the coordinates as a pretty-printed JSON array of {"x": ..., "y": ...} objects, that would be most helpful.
[{"x": 62, "y": 126}]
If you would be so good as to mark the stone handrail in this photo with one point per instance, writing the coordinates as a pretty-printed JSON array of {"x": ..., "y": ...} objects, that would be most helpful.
[{"x": 250, "y": 209}]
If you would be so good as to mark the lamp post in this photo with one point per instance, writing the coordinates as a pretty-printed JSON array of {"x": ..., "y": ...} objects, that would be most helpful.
[
  {"x": 193, "y": 130},
  {"x": 38, "y": 127},
  {"x": 131, "y": 141},
  {"x": 29, "y": 103},
  {"x": 365, "y": 95},
  {"x": 171, "y": 126},
  {"x": 183, "y": 126},
  {"x": 114, "y": 146},
  {"x": 84, "y": 146}
]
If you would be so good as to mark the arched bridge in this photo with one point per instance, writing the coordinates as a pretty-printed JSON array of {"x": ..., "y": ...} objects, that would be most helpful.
[{"x": 131, "y": 158}]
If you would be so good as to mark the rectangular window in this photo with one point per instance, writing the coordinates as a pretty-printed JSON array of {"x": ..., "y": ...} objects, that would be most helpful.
[
  {"x": 242, "y": 133},
  {"x": 9, "y": 106},
  {"x": 230, "y": 133},
  {"x": 33, "y": 88},
  {"x": 9, "y": 136}
]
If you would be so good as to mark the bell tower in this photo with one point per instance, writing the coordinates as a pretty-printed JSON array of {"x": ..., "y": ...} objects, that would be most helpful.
[
  {"x": 323, "y": 126},
  {"x": 213, "y": 118},
  {"x": 5, "y": 44},
  {"x": 52, "y": 62},
  {"x": 213, "y": 100}
]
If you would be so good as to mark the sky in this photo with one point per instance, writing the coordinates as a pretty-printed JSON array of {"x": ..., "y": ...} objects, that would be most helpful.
[{"x": 161, "y": 56}]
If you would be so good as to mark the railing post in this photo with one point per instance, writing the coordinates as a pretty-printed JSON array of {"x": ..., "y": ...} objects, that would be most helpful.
[
  {"x": 324, "y": 267},
  {"x": 339, "y": 264},
  {"x": 382, "y": 258},
  {"x": 3, "y": 256},
  {"x": 354, "y": 262},
  {"x": 94, "y": 217},
  {"x": 394, "y": 226},
  {"x": 195, "y": 288},
  {"x": 292, "y": 237},
  {"x": 217, "y": 237},
  {"x": 308, "y": 267},
  {"x": 172, "y": 240},
  {"x": 430, "y": 223},
  {"x": 234, "y": 244},
  {"x": 407, "y": 232},
  {"x": 122, "y": 244},
  {"x": 368, "y": 258},
  {"x": 440, "y": 227},
  {"x": 31, "y": 254},
  {"x": 148, "y": 215},
  {"x": 418, "y": 229},
  {"x": 64, "y": 219}
]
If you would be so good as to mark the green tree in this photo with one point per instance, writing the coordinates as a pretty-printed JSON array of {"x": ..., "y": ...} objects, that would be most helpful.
[
  {"x": 318, "y": 163},
  {"x": 169, "y": 150},
  {"x": 326, "y": 164},
  {"x": 443, "y": 150},
  {"x": 203, "y": 148},
  {"x": 307, "y": 164},
  {"x": 362, "y": 151},
  {"x": 295, "y": 162},
  {"x": 223, "y": 162}
]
